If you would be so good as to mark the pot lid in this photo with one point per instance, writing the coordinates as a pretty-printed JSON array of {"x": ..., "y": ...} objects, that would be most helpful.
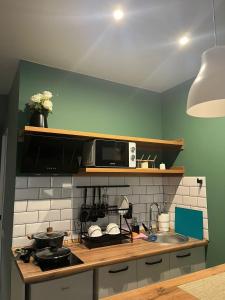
[
  {"x": 49, "y": 234},
  {"x": 52, "y": 253}
]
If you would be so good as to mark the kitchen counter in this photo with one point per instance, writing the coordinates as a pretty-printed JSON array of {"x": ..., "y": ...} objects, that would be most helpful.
[
  {"x": 205, "y": 284},
  {"x": 98, "y": 257}
]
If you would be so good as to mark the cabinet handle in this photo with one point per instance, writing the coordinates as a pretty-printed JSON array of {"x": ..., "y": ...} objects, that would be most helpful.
[
  {"x": 117, "y": 271},
  {"x": 154, "y": 262},
  {"x": 65, "y": 288},
  {"x": 183, "y": 255}
]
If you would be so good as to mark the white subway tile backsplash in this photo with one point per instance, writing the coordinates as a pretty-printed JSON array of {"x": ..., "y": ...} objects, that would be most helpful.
[
  {"x": 124, "y": 191},
  {"x": 21, "y": 242},
  {"x": 116, "y": 180},
  {"x": 67, "y": 214},
  {"x": 158, "y": 198},
  {"x": 64, "y": 182},
  {"x": 151, "y": 190},
  {"x": 174, "y": 181},
  {"x": 39, "y": 182},
  {"x": 139, "y": 190},
  {"x": 99, "y": 180},
  {"x": 25, "y": 217},
  {"x": 19, "y": 230},
  {"x": 64, "y": 225},
  {"x": 59, "y": 200},
  {"x": 36, "y": 227},
  {"x": 61, "y": 203},
  {"x": 49, "y": 215},
  {"x": 146, "y": 198},
  {"x": 26, "y": 194},
  {"x": 183, "y": 190},
  {"x": 34, "y": 205},
  {"x": 68, "y": 192},
  {"x": 132, "y": 180},
  {"x": 146, "y": 180},
  {"x": 21, "y": 182},
  {"x": 78, "y": 192},
  {"x": 157, "y": 180},
  {"x": 190, "y": 181},
  {"x": 50, "y": 193},
  {"x": 139, "y": 208},
  {"x": 81, "y": 181},
  {"x": 20, "y": 206},
  {"x": 202, "y": 202}
]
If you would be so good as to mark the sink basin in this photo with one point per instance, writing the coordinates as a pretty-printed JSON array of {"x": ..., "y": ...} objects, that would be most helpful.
[{"x": 167, "y": 238}]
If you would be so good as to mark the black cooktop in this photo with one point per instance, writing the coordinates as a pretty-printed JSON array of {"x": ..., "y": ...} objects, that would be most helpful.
[{"x": 57, "y": 264}]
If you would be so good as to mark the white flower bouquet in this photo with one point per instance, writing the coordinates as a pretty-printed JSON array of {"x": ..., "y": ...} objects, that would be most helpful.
[{"x": 41, "y": 102}]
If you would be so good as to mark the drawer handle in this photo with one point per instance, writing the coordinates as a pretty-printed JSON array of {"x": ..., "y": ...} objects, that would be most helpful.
[
  {"x": 154, "y": 262},
  {"x": 65, "y": 288},
  {"x": 118, "y": 271},
  {"x": 183, "y": 255}
]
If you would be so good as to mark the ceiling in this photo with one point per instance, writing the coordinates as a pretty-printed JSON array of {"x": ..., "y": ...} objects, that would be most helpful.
[{"x": 82, "y": 36}]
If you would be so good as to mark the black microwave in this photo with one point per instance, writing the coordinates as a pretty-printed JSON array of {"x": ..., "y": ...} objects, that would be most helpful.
[
  {"x": 109, "y": 153},
  {"x": 46, "y": 154}
]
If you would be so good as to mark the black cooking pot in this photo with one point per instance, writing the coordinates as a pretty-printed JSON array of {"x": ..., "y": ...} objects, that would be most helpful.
[
  {"x": 49, "y": 257},
  {"x": 49, "y": 238}
]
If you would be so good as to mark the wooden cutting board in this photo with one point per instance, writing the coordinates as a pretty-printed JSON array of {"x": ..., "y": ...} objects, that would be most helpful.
[{"x": 211, "y": 288}]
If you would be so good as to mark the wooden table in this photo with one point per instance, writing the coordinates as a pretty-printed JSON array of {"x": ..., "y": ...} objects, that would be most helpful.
[{"x": 169, "y": 289}]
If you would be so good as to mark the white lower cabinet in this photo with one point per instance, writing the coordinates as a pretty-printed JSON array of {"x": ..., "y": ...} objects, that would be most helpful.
[
  {"x": 153, "y": 269},
  {"x": 187, "y": 261},
  {"x": 75, "y": 287},
  {"x": 116, "y": 278},
  {"x": 17, "y": 284}
]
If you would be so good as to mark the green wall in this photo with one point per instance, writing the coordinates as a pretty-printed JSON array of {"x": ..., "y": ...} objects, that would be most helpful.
[
  {"x": 89, "y": 104},
  {"x": 204, "y": 155}
]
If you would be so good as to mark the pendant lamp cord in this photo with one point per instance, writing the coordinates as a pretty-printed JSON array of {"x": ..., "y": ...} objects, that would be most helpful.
[{"x": 214, "y": 22}]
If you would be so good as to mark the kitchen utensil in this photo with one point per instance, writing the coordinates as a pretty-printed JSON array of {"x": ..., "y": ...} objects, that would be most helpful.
[
  {"x": 145, "y": 228},
  {"x": 85, "y": 212},
  {"x": 49, "y": 238},
  {"x": 101, "y": 212},
  {"x": 105, "y": 204},
  {"x": 128, "y": 214},
  {"x": 189, "y": 222},
  {"x": 24, "y": 254},
  {"x": 93, "y": 213}
]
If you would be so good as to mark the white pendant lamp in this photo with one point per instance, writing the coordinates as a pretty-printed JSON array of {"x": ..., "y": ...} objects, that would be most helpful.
[{"x": 206, "y": 98}]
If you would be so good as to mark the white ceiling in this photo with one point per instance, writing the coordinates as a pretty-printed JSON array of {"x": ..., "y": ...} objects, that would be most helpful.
[{"x": 81, "y": 36}]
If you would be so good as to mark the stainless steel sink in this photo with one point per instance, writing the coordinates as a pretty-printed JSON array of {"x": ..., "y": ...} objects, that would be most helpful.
[{"x": 167, "y": 238}]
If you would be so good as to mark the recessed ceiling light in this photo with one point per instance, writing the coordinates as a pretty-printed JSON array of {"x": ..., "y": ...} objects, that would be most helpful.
[
  {"x": 184, "y": 40},
  {"x": 118, "y": 14}
]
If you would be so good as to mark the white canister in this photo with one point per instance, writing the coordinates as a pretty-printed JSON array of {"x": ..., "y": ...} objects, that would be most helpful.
[
  {"x": 162, "y": 166},
  {"x": 144, "y": 164}
]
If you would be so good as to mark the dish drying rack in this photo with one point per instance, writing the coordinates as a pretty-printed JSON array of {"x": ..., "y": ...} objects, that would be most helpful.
[{"x": 106, "y": 239}]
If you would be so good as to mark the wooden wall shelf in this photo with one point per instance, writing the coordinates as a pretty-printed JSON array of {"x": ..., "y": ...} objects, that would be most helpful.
[
  {"x": 124, "y": 171},
  {"x": 178, "y": 143}
]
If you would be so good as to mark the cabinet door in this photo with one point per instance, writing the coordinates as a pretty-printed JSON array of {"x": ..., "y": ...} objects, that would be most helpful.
[
  {"x": 17, "y": 284},
  {"x": 153, "y": 269},
  {"x": 187, "y": 261},
  {"x": 116, "y": 278},
  {"x": 78, "y": 286}
]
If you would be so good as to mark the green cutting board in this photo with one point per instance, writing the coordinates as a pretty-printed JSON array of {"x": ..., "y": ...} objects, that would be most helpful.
[{"x": 189, "y": 222}]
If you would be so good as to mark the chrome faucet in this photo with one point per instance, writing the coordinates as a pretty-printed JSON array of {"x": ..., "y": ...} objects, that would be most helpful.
[{"x": 150, "y": 216}]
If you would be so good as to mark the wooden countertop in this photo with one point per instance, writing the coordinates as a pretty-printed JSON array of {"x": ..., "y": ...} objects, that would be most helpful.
[
  {"x": 171, "y": 289},
  {"x": 99, "y": 257}
]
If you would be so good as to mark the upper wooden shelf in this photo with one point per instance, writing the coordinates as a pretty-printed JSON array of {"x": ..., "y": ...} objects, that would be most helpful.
[
  {"x": 179, "y": 143},
  {"x": 127, "y": 171}
]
